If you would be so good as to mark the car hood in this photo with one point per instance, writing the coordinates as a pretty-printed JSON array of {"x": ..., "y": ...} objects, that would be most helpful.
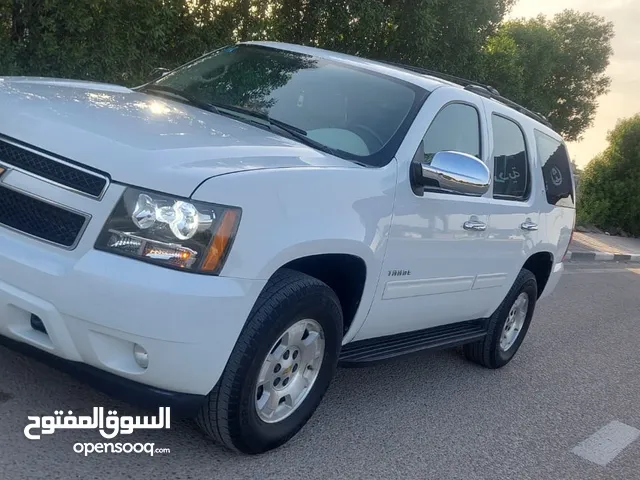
[{"x": 141, "y": 139}]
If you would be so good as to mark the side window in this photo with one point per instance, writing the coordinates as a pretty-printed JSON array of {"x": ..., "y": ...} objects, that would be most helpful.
[
  {"x": 456, "y": 127},
  {"x": 511, "y": 167},
  {"x": 556, "y": 170}
]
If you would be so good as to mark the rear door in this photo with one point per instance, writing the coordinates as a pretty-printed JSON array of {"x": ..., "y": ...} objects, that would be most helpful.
[{"x": 514, "y": 222}]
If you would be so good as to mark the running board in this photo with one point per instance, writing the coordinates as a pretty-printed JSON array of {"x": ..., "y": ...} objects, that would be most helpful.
[{"x": 374, "y": 350}]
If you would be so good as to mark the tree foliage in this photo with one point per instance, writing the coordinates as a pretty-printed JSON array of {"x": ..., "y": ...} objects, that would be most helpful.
[
  {"x": 555, "y": 66},
  {"x": 552, "y": 66},
  {"x": 610, "y": 184}
]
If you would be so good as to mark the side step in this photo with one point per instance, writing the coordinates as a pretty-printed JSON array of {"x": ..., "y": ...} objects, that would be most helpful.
[{"x": 374, "y": 350}]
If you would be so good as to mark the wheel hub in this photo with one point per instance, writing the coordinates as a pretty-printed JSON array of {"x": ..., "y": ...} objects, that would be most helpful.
[
  {"x": 289, "y": 371},
  {"x": 515, "y": 322}
]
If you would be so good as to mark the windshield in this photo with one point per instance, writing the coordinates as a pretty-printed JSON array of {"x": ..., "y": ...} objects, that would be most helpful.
[{"x": 359, "y": 114}]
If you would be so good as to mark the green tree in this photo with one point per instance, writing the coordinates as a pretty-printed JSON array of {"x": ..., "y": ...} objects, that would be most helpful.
[
  {"x": 609, "y": 185},
  {"x": 7, "y": 52},
  {"x": 114, "y": 41},
  {"x": 121, "y": 41},
  {"x": 442, "y": 35},
  {"x": 555, "y": 67}
]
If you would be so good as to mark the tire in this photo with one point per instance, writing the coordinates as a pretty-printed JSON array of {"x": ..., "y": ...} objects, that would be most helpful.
[
  {"x": 488, "y": 351},
  {"x": 230, "y": 416}
]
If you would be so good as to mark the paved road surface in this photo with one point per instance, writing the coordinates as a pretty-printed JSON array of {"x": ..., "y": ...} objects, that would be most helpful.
[{"x": 431, "y": 416}]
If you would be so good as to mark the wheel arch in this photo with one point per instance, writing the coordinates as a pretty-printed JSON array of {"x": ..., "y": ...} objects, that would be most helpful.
[
  {"x": 540, "y": 264},
  {"x": 344, "y": 273}
]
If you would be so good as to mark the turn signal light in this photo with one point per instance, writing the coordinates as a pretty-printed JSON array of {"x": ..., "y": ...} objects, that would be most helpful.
[{"x": 220, "y": 244}]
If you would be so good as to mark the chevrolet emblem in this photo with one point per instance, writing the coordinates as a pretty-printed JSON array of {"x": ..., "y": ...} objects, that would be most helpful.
[{"x": 1, "y": 170}]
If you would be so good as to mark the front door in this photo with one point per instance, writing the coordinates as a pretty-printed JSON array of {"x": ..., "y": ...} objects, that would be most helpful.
[{"x": 436, "y": 269}]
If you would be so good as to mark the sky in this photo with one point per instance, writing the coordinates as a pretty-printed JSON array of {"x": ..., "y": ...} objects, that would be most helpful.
[{"x": 623, "y": 99}]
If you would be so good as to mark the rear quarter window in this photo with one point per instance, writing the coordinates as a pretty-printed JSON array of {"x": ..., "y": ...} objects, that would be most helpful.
[{"x": 556, "y": 170}]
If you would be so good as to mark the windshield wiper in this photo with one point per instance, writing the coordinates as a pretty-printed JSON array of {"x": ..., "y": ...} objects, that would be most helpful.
[
  {"x": 261, "y": 116},
  {"x": 274, "y": 124},
  {"x": 184, "y": 97}
]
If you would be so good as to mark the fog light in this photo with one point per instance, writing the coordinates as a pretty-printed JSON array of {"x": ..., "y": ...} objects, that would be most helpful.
[
  {"x": 37, "y": 324},
  {"x": 141, "y": 355}
]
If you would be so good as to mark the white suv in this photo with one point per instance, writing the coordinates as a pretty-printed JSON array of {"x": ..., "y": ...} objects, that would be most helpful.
[{"x": 218, "y": 240}]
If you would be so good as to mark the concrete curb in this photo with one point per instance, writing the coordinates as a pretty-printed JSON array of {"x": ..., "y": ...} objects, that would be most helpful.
[{"x": 603, "y": 257}]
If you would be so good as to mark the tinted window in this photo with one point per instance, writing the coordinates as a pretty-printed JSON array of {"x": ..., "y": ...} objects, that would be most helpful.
[
  {"x": 511, "y": 170},
  {"x": 362, "y": 114},
  {"x": 556, "y": 170},
  {"x": 456, "y": 127}
]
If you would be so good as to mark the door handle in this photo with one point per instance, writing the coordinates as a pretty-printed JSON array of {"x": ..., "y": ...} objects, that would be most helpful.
[
  {"x": 529, "y": 225},
  {"x": 474, "y": 225}
]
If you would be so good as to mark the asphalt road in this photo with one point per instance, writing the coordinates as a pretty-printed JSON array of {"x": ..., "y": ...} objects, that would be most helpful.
[{"x": 428, "y": 416}]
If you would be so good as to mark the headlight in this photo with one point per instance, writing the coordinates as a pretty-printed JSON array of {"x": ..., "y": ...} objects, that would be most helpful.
[{"x": 169, "y": 231}]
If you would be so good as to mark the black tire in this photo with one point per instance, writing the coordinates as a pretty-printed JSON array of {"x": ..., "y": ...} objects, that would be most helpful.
[
  {"x": 229, "y": 415},
  {"x": 487, "y": 352}
]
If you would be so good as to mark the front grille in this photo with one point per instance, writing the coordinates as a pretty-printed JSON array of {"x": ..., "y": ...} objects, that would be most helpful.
[
  {"x": 52, "y": 170},
  {"x": 39, "y": 219}
]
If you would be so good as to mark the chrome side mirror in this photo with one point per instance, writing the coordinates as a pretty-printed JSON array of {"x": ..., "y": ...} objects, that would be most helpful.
[{"x": 456, "y": 172}]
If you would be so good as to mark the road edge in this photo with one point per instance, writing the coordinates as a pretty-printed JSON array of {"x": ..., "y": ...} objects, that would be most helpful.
[{"x": 603, "y": 257}]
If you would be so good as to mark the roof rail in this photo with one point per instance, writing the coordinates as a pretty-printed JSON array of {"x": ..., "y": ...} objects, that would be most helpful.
[
  {"x": 444, "y": 76},
  {"x": 486, "y": 91},
  {"x": 509, "y": 103}
]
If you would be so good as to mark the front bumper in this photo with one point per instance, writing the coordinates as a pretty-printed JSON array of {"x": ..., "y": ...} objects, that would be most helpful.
[
  {"x": 96, "y": 307},
  {"x": 181, "y": 404}
]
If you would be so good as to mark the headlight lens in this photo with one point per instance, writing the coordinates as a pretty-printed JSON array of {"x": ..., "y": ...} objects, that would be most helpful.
[{"x": 168, "y": 231}]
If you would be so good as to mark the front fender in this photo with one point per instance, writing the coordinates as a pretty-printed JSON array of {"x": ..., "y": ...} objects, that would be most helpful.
[{"x": 291, "y": 213}]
